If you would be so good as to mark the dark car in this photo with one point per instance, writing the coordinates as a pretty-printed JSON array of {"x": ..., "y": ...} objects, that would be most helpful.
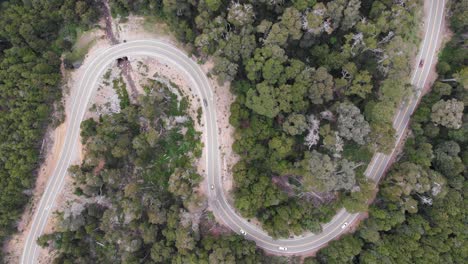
[{"x": 421, "y": 63}]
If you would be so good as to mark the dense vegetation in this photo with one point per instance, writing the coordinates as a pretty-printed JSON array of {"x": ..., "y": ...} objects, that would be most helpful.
[
  {"x": 136, "y": 193},
  {"x": 33, "y": 34},
  {"x": 420, "y": 213},
  {"x": 317, "y": 84}
]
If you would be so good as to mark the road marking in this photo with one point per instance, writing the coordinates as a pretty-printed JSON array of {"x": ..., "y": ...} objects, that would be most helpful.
[
  {"x": 399, "y": 131},
  {"x": 428, "y": 51},
  {"x": 48, "y": 195},
  {"x": 211, "y": 130}
]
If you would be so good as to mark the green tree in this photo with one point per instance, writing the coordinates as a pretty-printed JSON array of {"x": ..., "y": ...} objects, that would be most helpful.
[
  {"x": 292, "y": 21},
  {"x": 361, "y": 85},
  {"x": 281, "y": 146},
  {"x": 318, "y": 171},
  {"x": 88, "y": 129},
  {"x": 351, "y": 123},
  {"x": 263, "y": 100},
  {"x": 224, "y": 69},
  {"x": 446, "y": 158},
  {"x": 321, "y": 88},
  {"x": 213, "y": 5},
  {"x": 382, "y": 137},
  {"x": 335, "y": 12},
  {"x": 314, "y": 19},
  {"x": 350, "y": 14},
  {"x": 448, "y": 113},
  {"x": 295, "y": 124},
  {"x": 341, "y": 251},
  {"x": 302, "y": 5},
  {"x": 240, "y": 14},
  {"x": 255, "y": 66},
  {"x": 420, "y": 154}
]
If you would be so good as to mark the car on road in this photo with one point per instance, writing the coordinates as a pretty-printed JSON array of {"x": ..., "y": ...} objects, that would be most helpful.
[
  {"x": 205, "y": 102},
  {"x": 344, "y": 225},
  {"x": 283, "y": 248},
  {"x": 212, "y": 187},
  {"x": 421, "y": 63},
  {"x": 243, "y": 232}
]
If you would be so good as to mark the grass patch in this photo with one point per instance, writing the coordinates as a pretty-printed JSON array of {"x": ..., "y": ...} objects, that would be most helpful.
[
  {"x": 121, "y": 90},
  {"x": 357, "y": 153},
  {"x": 78, "y": 54},
  {"x": 83, "y": 44},
  {"x": 155, "y": 24},
  {"x": 199, "y": 115},
  {"x": 107, "y": 74}
]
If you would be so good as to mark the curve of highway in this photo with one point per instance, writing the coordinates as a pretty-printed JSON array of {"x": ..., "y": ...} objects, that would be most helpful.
[{"x": 153, "y": 48}]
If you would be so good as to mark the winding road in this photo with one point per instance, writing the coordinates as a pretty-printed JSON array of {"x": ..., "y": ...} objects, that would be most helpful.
[{"x": 163, "y": 51}]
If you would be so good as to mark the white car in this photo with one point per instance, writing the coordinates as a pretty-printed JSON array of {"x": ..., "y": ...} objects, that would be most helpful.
[
  {"x": 243, "y": 232},
  {"x": 283, "y": 248},
  {"x": 212, "y": 187},
  {"x": 344, "y": 225}
]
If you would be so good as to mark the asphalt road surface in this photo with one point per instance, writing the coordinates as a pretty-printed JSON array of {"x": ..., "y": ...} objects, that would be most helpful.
[{"x": 222, "y": 209}]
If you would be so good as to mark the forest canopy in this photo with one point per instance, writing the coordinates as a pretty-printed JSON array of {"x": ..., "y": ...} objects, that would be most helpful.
[
  {"x": 136, "y": 190},
  {"x": 317, "y": 80},
  {"x": 317, "y": 84},
  {"x": 422, "y": 201},
  {"x": 33, "y": 35}
]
